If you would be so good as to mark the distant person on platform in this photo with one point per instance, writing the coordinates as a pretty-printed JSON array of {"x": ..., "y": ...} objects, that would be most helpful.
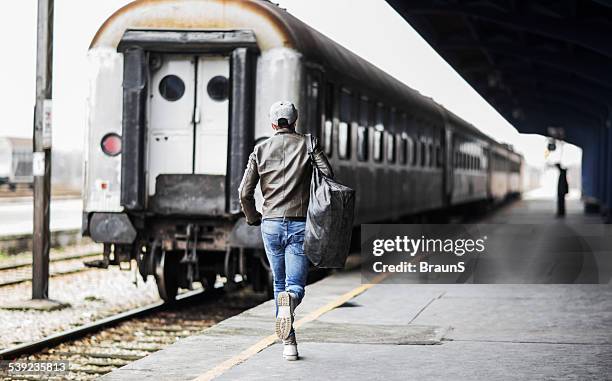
[{"x": 562, "y": 189}]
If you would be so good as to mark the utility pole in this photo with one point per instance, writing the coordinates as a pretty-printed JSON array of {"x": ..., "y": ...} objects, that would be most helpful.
[{"x": 41, "y": 165}]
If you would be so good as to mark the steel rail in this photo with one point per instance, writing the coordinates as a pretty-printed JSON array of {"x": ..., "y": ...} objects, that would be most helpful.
[{"x": 79, "y": 332}]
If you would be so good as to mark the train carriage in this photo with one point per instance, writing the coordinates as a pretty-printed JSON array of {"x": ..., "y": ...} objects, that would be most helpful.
[{"x": 179, "y": 94}]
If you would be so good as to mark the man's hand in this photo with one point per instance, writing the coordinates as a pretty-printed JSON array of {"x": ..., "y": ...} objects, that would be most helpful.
[{"x": 257, "y": 222}]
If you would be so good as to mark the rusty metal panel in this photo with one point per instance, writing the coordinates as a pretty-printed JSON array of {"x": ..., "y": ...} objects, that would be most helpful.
[
  {"x": 178, "y": 41},
  {"x": 189, "y": 194}
]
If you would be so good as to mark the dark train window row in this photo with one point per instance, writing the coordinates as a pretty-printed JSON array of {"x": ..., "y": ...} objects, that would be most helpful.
[
  {"x": 467, "y": 161},
  {"x": 379, "y": 133},
  {"x": 501, "y": 163}
]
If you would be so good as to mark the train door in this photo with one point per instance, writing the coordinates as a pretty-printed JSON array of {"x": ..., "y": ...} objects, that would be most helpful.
[
  {"x": 171, "y": 118},
  {"x": 212, "y": 115},
  {"x": 188, "y": 116}
]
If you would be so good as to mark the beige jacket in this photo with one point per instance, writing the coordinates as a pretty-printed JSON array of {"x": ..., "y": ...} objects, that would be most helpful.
[{"x": 282, "y": 166}]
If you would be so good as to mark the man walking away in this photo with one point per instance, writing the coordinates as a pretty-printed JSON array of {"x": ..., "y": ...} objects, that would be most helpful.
[
  {"x": 562, "y": 190},
  {"x": 283, "y": 168}
]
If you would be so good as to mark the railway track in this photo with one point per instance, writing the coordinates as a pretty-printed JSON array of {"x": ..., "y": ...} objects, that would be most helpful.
[
  {"x": 19, "y": 272},
  {"x": 98, "y": 348}
]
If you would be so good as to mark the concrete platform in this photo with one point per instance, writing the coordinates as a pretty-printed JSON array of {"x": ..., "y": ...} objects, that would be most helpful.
[{"x": 350, "y": 331}]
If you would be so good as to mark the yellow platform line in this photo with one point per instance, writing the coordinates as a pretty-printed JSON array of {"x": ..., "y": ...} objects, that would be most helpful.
[{"x": 269, "y": 340}]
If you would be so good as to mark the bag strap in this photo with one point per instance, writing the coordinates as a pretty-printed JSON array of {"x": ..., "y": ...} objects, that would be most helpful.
[{"x": 310, "y": 144}]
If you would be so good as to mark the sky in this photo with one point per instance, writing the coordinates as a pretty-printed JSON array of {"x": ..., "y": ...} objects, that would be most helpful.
[{"x": 370, "y": 28}]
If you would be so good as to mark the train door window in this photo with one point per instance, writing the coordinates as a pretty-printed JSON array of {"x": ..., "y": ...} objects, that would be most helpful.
[
  {"x": 344, "y": 128},
  {"x": 391, "y": 148},
  {"x": 328, "y": 127},
  {"x": 364, "y": 121}
]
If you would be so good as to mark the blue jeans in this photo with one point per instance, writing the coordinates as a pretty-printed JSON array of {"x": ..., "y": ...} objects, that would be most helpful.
[{"x": 284, "y": 243}]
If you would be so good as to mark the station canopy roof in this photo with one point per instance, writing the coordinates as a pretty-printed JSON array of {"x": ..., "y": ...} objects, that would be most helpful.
[{"x": 545, "y": 65}]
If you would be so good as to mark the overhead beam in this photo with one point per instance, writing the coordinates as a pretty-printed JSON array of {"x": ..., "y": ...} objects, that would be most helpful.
[
  {"x": 528, "y": 95},
  {"x": 478, "y": 76},
  {"x": 562, "y": 115},
  {"x": 595, "y": 71},
  {"x": 589, "y": 36},
  {"x": 572, "y": 91}
]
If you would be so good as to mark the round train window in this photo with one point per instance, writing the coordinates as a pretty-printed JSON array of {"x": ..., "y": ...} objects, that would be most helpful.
[
  {"x": 218, "y": 88},
  {"x": 171, "y": 88}
]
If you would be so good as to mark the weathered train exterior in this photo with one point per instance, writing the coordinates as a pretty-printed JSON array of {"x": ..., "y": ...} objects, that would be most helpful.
[{"x": 179, "y": 94}]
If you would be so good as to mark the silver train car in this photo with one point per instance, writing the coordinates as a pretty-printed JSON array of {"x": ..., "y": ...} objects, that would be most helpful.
[{"x": 179, "y": 94}]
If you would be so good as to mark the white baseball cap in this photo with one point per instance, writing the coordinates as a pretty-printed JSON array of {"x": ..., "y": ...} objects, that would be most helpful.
[{"x": 283, "y": 113}]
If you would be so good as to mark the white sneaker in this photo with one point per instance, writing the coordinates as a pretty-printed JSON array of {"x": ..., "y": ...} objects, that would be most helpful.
[
  {"x": 284, "y": 318},
  {"x": 290, "y": 352}
]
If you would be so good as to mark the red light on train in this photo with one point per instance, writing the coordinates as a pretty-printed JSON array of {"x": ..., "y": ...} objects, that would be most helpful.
[{"x": 111, "y": 144}]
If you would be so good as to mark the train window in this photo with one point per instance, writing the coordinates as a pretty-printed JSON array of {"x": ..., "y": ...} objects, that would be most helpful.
[
  {"x": 438, "y": 155},
  {"x": 430, "y": 159},
  {"x": 218, "y": 88},
  {"x": 391, "y": 148},
  {"x": 344, "y": 128},
  {"x": 378, "y": 144},
  {"x": 327, "y": 137},
  {"x": 344, "y": 140},
  {"x": 423, "y": 152},
  {"x": 328, "y": 127},
  {"x": 362, "y": 143},
  {"x": 412, "y": 151},
  {"x": 313, "y": 107},
  {"x": 403, "y": 148},
  {"x": 172, "y": 88}
]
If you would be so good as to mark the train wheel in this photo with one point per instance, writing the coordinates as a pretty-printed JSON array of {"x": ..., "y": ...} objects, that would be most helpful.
[
  {"x": 166, "y": 276},
  {"x": 209, "y": 277}
]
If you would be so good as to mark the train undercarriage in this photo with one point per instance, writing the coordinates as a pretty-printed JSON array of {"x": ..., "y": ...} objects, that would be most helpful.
[{"x": 178, "y": 254}]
